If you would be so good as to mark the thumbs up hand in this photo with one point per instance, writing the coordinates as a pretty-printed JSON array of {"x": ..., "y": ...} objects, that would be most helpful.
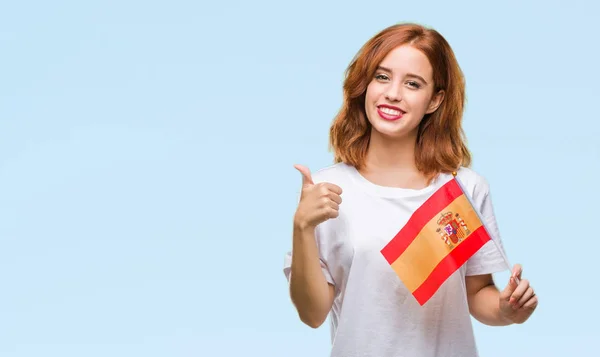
[{"x": 318, "y": 202}]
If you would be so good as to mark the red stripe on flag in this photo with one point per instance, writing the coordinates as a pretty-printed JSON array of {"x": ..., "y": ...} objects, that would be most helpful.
[
  {"x": 452, "y": 262},
  {"x": 434, "y": 204}
]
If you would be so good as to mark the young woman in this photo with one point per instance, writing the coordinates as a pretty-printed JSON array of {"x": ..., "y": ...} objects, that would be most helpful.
[{"x": 397, "y": 139}]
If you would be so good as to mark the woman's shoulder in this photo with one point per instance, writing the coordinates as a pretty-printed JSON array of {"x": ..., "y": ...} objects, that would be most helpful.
[
  {"x": 333, "y": 173},
  {"x": 473, "y": 181}
]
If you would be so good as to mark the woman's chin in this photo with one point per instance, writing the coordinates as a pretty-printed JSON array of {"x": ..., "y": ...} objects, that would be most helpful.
[{"x": 393, "y": 132}]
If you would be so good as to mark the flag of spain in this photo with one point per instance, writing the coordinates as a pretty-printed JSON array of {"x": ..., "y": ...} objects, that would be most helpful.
[{"x": 440, "y": 236}]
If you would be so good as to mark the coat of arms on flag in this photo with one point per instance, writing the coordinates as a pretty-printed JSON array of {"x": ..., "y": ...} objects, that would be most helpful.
[{"x": 439, "y": 237}]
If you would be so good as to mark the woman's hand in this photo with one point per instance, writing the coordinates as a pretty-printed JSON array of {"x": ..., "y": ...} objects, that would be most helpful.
[
  {"x": 518, "y": 300},
  {"x": 318, "y": 203}
]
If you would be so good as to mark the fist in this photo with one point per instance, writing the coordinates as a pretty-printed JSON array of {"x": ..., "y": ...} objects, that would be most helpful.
[{"x": 318, "y": 203}]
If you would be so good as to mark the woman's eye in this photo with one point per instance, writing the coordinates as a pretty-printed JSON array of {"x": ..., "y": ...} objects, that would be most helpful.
[
  {"x": 382, "y": 77},
  {"x": 414, "y": 84}
]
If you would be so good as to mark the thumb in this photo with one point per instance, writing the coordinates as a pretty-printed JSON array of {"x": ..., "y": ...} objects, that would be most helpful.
[
  {"x": 306, "y": 177},
  {"x": 509, "y": 289},
  {"x": 517, "y": 271}
]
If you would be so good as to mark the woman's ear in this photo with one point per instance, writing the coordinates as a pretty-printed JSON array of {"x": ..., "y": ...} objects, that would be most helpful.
[{"x": 435, "y": 102}]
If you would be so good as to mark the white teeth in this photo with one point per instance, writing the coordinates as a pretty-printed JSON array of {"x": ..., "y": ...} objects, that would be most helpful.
[{"x": 390, "y": 111}]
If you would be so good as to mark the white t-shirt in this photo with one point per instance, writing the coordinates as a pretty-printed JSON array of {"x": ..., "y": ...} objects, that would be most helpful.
[{"x": 373, "y": 313}]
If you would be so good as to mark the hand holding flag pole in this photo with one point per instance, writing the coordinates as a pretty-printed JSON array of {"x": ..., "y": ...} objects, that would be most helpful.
[
  {"x": 517, "y": 300},
  {"x": 439, "y": 237}
]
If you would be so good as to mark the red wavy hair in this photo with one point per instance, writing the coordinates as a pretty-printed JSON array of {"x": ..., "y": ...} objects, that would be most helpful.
[{"x": 441, "y": 143}]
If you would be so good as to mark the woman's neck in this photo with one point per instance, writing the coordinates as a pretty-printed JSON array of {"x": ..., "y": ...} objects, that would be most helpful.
[{"x": 391, "y": 162}]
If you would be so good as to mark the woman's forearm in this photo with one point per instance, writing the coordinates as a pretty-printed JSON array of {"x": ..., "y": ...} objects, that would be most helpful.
[{"x": 309, "y": 290}]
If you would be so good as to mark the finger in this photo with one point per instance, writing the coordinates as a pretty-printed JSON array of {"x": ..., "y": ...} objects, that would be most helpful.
[
  {"x": 333, "y": 205},
  {"x": 306, "y": 177},
  {"x": 335, "y": 197},
  {"x": 332, "y": 213},
  {"x": 325, "y": 190},
  {"x": 519, "y": 291},
  {"x": 517, "y": 271},
  {"x": 528, "y": 294},
  {"x": 531, "y": 303},
  {"x": 333, "y": 188},
  {"x": 509, "y": 289},
  {"x": 325, "y": 201}
]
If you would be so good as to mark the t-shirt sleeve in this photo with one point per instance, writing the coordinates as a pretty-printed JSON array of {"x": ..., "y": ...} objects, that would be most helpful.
[
  {"x": 488, "y": 258},
  {"x": 287, "y": 264}
]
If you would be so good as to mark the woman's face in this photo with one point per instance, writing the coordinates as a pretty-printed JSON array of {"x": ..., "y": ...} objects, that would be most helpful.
[{"x": 401, "y": 93}]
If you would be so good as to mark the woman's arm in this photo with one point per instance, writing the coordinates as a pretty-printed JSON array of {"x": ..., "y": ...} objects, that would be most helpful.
[
  {"x": 310, "y": 292},
  {"x": 488, "y": 305},
  {"x": 483, "y": 297}
]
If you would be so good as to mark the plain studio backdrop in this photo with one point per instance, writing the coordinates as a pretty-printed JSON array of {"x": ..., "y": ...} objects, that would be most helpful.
[{"x": 147, "y": 185}]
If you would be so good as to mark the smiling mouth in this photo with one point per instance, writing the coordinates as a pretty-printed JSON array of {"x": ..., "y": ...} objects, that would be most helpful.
[{"x": 389, "y": 113}]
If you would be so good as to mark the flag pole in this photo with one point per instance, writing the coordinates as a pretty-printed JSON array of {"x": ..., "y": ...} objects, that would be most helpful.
[{"x": 454, "y": 174}]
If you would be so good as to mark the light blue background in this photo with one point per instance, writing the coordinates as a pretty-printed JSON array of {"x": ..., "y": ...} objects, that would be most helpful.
[{"x": 146, "y": 166}]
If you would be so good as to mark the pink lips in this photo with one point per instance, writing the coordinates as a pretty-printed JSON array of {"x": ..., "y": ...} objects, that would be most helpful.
[{"x": 387, "y": 116}]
